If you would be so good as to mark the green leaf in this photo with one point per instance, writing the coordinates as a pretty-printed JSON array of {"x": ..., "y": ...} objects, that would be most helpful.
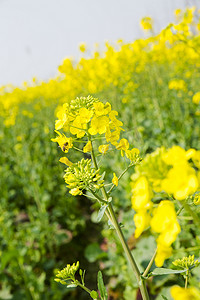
[
  {"x": 101, "y": 212},
  {"x": 103, "y": 175},
  {"x": 94, "y": 295},
  {"x": 101, "y": 287},
  {"x": 164, "y": 271},
  {"x": 165, "y": 298}
]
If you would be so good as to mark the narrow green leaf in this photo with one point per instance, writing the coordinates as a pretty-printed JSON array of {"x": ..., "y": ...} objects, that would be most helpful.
[
  {"x": 94, "y": 295},
  {"x": 101, "y": 287},
  {"x": 101, "y": 212},
  {"x": 164, "y": 271},
  {"x": 103, "y": 175},
  {"x": 165, "y": 298}
]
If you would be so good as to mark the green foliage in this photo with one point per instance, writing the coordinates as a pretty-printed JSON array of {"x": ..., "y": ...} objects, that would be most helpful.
[{"x": 101, "y": 287}]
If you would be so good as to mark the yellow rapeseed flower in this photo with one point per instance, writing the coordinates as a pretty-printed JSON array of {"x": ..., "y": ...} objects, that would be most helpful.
[
  {"x": 66, "y": 161},
  {"x": 103, "y": 148},
  {"x": 132, "y": 154},
  {"x": 163, "y": 252},
  {"x": 99, "y": 125},
  {"x": 196, "y": 98},
  {"x": 141, "y": 198},
  {"x": 115, "y": 179},
  {"x": 179, "y": 293},
  {"x": 123, "y": 145},
  {"x": 82, "y": 47},
  {"x": 142, "y": 221},
  {"x": 147, "y": 23},
  {"x": 88, "y": 147},
  {"x": 64, "y": 142}
]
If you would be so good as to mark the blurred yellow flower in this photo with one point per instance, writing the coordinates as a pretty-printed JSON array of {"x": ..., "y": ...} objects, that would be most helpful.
[
  {"x": 147, "y": 23},
  {"x": 179, "y": 293},
  {"x": 196, "y": 98},
  {"x": 115, "y": 179},
  {"x": 103, "y": 148}
]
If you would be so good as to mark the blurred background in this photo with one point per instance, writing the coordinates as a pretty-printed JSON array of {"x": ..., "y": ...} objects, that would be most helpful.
[{"x": 35, "y": 36}]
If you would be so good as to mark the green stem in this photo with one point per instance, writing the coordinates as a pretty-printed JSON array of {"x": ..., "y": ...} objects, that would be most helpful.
[
  {"x": 186, "y": 279},
  {"x": 150, "y": 264},
  {"x": 192, "y": 213},
  {"x": 83, "y": 287},
  {"x": 179, "y": 211},
  {"x": 111, "y": 215}
]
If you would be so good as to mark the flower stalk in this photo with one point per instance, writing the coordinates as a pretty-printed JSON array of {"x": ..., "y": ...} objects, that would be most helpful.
[{"x": 112, "y": 217}]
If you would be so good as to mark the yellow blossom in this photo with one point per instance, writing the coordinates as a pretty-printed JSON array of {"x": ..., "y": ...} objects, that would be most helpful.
[
  {"x": 98, "y": 125},
  {"x": 181, "y": 181},
  {"x": 115, "y": 179},
  {"x": 180, "y": 293},
  {"x": 132, "y": 154},
  {"x": 112, "y": 136},
  {"x": 177, "y": 84},
  {"x": 142, "y": 221},
  {"x": 141, "y": 199},
  {"x": 146, "y": 23},
  {"x": 64, "y": 142},
  {"x": 78, "y": 128},
  {"x": 196, "y": 98},
  {"x": 88, "y": 147},
  {"x": 66, "y": 161},
  {"x": 123, "y": 145},
  {"x": 163, "y": 216},
  {"x": 85, "y": 115},
  {"x": 165, "y": 223},
  {"x": 103, "y": 148},
  {"x": 82, "y": 47},
  {"x": 102, "y": 109},
  {"x": 75, "y": 192},
  {"x": 163, "y": 253}
]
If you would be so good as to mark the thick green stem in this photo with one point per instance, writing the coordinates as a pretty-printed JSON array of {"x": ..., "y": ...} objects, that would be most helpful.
[{"x": 111, "y": 215}]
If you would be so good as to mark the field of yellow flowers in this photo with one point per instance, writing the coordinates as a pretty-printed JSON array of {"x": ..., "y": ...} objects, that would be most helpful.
[{"x": 146, "y": 121}]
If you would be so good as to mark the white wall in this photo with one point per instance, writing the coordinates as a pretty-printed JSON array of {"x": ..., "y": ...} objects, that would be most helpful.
[{"x": 36, "y": 35}]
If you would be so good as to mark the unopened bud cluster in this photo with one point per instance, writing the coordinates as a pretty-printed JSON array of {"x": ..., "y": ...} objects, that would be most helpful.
[
  {"x": 81, "y": 176},
  {"x": 81, "y": 102},
  {"x": 197, "y": 199},
  {"x": 186, "y": 262},
  {"x": 67, "y": 273}
]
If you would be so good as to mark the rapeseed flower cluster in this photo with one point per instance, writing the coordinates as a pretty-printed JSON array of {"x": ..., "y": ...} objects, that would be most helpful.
[
  {"x": 83, "y": 118},
  {"x": 68, "y": 273},
  {"x": 173, "y": 172},
  {"x": 87, "y": 116}
]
